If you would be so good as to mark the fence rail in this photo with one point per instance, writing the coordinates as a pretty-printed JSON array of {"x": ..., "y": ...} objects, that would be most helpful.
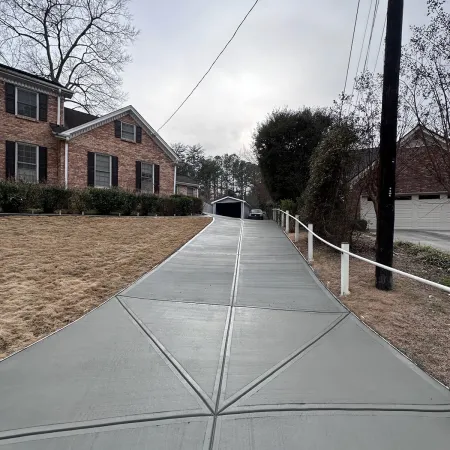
[{"x": 284, "y": 217}]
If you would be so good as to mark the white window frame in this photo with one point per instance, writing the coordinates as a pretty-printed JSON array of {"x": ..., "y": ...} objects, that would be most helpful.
[
  {"x": 95, "y": 171},
  {"x": 153, "y": 176},
  {"x": 121, "y": 132},
  {"x": 16, "y": 174},
  {"x": 17, "y": 101}
]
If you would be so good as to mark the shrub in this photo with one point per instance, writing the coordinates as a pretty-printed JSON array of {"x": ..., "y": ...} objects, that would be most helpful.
[
  {"x": 197, "y": 205},
  {"x": 18, "y": 197},
  {"x": 165, "y": 206},
  {"x": 103, "y": 201},
  {"x": 53, "y": 198},
  {"x": 127, "y": 202},
  {"x": 289, "y": 205},
  {"x": 183, "y": 206},
  {"x": 147, "y": 203},
  {"x": 360, "y": 225},
  {"x": 327, "y": 200},
  {"x": 78, "y": 201}
]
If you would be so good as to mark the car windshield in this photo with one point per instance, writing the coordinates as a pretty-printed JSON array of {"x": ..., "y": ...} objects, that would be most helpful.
[{"x": 256, "y": 211}]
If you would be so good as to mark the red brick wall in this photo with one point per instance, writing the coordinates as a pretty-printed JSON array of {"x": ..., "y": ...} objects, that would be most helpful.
[
  {"x": 414, "y": 173},
  {"x": 18, "y": 129},
  {"x": 183, "y": 190},
  {"x": 102, "y": 140}
]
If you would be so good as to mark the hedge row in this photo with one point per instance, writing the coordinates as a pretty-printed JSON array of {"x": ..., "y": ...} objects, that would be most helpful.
[{"x": 24, "y": 197}]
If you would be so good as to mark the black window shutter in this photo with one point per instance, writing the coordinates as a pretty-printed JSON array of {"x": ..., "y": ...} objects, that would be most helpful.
[
  {"x": 43, "y": 102},
  {"x": 10, "y": 98},
  {"x": 10, "y": 159},
  {"x": 115, "y": 171},
  {"x": 138, "y": 135},
  {"x": 117, "y": 128},
  {"x": 42, "y": 164},
  {"x": 138, "y": 175},
  {"x": 156, "y": 180},
  {"x": 91, "y": 168}
]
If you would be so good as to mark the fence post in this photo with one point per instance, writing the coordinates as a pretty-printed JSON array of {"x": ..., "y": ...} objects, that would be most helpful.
[
  {"x": 283, "y": 218},
  {"x": 345, "y": 269},
  {"x": 297, "y": 229},
  {"x": 310, "y": 243},
  {"x": 287, "y": 222}
]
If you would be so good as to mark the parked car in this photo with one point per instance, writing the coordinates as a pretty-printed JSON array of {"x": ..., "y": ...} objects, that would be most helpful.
[{"x": 256, "y": 214}]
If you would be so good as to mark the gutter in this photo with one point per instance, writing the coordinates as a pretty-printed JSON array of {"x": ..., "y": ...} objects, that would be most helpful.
[{"x": 66, "y": 163}]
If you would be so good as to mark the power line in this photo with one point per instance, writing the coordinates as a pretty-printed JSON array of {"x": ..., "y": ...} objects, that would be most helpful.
[
  {"x": 375, "y": 12},
  {"x": 351, "y": 46},
  {"x": 381, "y": 43},
  {"x": 362, "y": 46},
  {"x": 210, "y": 67}
]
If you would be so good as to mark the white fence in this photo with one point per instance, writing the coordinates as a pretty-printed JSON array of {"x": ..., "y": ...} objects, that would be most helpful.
[{"x": 283, "y": 218}]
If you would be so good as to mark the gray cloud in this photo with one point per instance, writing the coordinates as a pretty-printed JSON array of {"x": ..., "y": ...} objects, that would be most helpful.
[{"x": 288, "y": 53}]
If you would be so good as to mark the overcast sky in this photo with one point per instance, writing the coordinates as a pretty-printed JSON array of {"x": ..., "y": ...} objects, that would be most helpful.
[{"x": 288, "y": 53}]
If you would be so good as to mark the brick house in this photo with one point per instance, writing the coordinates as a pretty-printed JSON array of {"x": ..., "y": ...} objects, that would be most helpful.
[
  {"x": 422, "y": 197},
  {"x": 49, "y": 143},
  {"x": 187, "y": 186}
]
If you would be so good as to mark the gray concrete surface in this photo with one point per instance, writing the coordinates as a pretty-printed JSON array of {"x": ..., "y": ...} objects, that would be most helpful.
[
  {"x": 437, "y": 239},
  {"x": 230, "y": 344}
]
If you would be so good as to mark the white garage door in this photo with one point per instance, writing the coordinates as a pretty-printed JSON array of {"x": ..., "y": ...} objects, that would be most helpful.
[{"x": 417, "y": 212}]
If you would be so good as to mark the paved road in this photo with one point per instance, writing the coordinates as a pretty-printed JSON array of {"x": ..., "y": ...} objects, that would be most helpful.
[
  {"x": 231, "y": 344},
  {"x": 437, "y": 239}
]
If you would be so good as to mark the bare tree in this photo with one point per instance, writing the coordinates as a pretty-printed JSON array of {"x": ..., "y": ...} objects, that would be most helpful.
[
  {"x": 78, "y": 43},
  {"x": 426, "y": 88}
]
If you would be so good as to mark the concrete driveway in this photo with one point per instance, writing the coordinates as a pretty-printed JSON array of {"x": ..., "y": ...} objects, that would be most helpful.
[
  {"x": 436, "y": 239},
  {"x": 230, "y": 344}
]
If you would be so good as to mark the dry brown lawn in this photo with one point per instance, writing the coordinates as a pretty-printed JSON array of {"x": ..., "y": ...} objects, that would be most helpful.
[
  {"x": 414, "y": 317},
  {"x": 55, "y": 269}
]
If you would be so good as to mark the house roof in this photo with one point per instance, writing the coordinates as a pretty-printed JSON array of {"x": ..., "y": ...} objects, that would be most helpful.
[
  {"x": 182, "y": 179},
  {"x": 74, "y": 118},
  {"x": 231, "y": 198},
  {"x": 31, "y": 77},
  {"x": 107, "y": 118}
]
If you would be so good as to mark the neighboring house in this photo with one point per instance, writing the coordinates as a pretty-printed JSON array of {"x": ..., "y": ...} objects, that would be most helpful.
[
  {"x": 421, "y": 200},
  {"x": 48, "y": 143},
  {"x": 187, "y": 186}
]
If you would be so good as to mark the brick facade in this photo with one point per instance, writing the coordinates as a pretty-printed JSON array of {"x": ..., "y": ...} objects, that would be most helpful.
[
  {"x": 99, "y": 140},
  {"x": 31, "y": 131},
  {"x": 103, "y": 140}
]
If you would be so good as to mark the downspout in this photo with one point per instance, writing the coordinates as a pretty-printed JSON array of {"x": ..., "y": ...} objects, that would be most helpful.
[
  {"x": 58, "y": 119},
  {"x": 175, "y": 180},
  {"x": 66, "y": 163}
]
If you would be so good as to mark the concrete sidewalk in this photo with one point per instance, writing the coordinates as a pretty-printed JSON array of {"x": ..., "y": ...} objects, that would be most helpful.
[{"x": 230, "y": 344}]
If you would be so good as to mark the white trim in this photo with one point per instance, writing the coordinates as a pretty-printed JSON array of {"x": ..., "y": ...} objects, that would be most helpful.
[
  {"x": 73, "y": 132},
  {"x": 16, "y": 157},
  {"x": 20, "y": 79},
  {"x": 95, "y": 170},
  {"x": 58, "y": 118},
  {"x": 17, "y": 101},
  {"x": 66, "y": 164},
  {"x": 175, "y": 180},
  {"x": 121, "y": 131},
  {"x": 232, "y": 198}
]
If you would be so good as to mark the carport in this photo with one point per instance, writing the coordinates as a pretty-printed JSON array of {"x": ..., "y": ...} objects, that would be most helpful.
[{"x": 231, "y": 207}]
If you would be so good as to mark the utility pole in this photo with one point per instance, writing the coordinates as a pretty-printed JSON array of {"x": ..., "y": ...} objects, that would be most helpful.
[{"x": 388, "y": 144}]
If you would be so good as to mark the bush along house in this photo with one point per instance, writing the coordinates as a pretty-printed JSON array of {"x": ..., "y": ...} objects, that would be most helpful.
[{"x": 45, "y": 142}]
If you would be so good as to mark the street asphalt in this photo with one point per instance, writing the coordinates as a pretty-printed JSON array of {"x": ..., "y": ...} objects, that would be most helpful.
[
  {"x": 232, "y": 343},
  {"x": 436, "y": 239}
]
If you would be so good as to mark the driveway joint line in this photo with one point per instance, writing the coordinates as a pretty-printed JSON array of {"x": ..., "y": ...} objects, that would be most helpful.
[
  {"x": 192, "y": 383},
  {"x": 98, "y": 423},
  {"x": 275, "y": 370},
  {"x": 225, "y": 350}
]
